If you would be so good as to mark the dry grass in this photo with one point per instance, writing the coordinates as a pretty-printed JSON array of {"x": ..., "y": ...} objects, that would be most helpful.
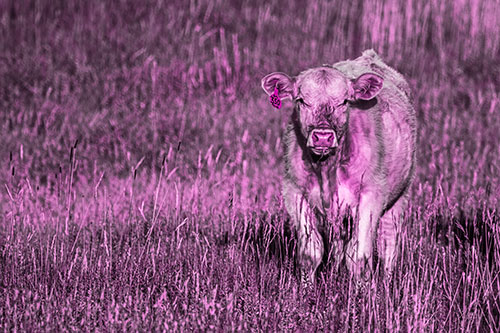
[{"x": 142, "y": 165}]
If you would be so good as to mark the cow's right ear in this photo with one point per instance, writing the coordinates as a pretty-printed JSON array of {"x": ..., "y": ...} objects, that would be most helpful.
[
  {"x": 282, "y": 82},
  {"x": 366, "y": 86}
]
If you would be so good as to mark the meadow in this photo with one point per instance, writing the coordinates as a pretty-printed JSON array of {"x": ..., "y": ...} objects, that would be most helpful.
[{"x": 141, "y": 166}]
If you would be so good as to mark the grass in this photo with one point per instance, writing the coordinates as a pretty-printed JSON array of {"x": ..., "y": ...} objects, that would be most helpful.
[{"x": 142, "y": 166}]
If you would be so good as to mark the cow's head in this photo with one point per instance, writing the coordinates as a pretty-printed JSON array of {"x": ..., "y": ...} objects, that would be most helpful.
[{"x": 322, "y": 97}]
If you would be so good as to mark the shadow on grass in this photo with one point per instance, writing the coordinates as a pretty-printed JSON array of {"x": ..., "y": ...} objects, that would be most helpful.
[
  {"x": 472, "y": 241},
  {"x": 473, "y": 228}
]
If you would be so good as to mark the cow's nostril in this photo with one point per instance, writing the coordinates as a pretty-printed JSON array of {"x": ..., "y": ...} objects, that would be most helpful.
[{"x": 315, "y": 138}]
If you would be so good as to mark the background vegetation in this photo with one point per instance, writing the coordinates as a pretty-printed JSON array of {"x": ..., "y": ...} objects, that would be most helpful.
[{"x": 142, "y": 162}]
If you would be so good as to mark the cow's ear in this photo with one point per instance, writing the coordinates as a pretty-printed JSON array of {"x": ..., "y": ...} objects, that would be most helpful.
[
  {"x": 282, "y": 82},
  {"x": 366, "y": 86}
]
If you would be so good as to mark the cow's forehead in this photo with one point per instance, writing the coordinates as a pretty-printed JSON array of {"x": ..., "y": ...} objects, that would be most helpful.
[{"x": 322, "y": 83}]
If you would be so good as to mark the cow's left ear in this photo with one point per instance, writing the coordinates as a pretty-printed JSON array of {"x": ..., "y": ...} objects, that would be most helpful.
[{"x": 366, "y": 86}]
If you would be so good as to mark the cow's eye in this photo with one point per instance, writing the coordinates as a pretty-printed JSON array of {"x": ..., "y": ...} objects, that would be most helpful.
[
  {"x": 301, "y": 102},
  {"x": 343, "y": 103}
]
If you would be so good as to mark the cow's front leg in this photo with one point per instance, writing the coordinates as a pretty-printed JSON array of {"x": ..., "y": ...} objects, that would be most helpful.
[
  {"x": 360, "y": 247},
  {"x": 310, "y": 244}
]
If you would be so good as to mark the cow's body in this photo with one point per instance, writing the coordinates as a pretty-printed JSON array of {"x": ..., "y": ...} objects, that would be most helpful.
[{"x": 357, "y": 155}]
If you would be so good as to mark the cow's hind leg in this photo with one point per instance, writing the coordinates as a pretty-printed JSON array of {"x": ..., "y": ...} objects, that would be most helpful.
[
  {"x": 310, "y": 244},
  {"x": 388, "y": 230}
]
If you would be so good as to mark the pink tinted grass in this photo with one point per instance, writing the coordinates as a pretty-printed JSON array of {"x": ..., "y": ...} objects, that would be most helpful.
[{"x": 170, "y": 215}]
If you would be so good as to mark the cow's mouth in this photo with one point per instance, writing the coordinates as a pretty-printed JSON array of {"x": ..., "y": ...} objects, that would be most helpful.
[
  {"x": 320, "y": 150},
  {"x": 322, "y": 153}
]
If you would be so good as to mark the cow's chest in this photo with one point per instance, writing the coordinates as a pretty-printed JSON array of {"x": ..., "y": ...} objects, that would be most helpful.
[
  {"x": 322, "y": 187},
  {"x": 333, "y": 189}
]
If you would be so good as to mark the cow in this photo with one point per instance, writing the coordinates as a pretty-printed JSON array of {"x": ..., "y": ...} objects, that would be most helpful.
[{"x": 349, "y": 150}]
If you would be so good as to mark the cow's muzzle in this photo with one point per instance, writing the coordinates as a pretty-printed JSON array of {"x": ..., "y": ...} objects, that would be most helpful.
[{"x": 322, "y": 141}]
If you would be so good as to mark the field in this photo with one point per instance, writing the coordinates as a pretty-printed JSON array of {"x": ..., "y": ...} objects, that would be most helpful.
[{"x": 141, "y": 166}]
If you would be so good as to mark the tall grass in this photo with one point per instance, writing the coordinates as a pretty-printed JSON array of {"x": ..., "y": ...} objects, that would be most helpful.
[{"x": 142, "y": 166}]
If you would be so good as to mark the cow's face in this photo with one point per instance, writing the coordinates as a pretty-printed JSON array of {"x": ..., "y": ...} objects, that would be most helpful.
[{"x": 322, "y": 97}]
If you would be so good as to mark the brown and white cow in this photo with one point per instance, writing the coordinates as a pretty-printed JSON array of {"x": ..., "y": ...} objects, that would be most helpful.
[{"x": 350, "y": 146}]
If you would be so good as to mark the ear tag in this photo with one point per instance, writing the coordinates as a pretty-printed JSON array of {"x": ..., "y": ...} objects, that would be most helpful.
[{"x": 275, "y": 99}]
